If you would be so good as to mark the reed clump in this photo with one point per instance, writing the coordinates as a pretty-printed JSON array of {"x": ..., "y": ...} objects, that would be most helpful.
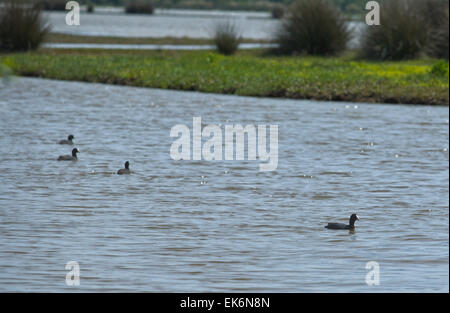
[
  {"x": 22, "y": 26},
  {"x": 314, "y": 27},
  {"x": 409, "y": 29},
  {"x": 226, "y": 37}
]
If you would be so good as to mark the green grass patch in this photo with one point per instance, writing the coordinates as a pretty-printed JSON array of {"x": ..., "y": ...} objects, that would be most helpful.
[{"x": 248, "y": 73}]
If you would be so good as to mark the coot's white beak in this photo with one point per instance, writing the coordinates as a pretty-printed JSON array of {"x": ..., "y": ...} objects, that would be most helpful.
[{"x": 357, "y": 217}]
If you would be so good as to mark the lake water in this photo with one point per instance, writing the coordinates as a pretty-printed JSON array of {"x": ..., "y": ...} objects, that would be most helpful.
[
  {"x": 172, "y": 23},
  {"x": 164, "y": 23},
  {"x": 242, "y": 46},
  {"x": 198, "y": 226}
]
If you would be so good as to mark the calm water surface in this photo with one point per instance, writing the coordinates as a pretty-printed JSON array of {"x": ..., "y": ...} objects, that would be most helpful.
[
  {"x": 164, "y": 23},
  {"x": 197, "y": 226},
  {"x": 149, "y": 46},
  {"x": 172, "y": 23}
]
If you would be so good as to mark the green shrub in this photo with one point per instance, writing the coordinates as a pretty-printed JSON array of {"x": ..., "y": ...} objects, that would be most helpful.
[
  {"x": 409, "y": 28},
  {"x": 435, "y": 13},
  {"x": 226, "y": 37},
  {"x": 438, "y": 45},
  {"x": 440, "y": 68},
  {"x": 139, "y": 7},
  {"x": 314, "y": 27},
  {"x": 21, "y": 26}
]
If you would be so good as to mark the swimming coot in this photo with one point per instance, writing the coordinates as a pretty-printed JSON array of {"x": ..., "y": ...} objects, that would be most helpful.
[
  {"x": 125, "y": 170},
  {"x": 72, "y": 157},
  {"x": 351, "y": 225},
  {"x": 67, "y": 141}
]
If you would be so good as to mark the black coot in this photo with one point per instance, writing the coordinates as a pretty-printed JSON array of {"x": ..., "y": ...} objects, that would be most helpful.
[
  {"x": 67, "y": 141},
  {"x": 125, "y": 170},
  {"x": 351, "y": 224},
  {"x": 72, "y": 157}
]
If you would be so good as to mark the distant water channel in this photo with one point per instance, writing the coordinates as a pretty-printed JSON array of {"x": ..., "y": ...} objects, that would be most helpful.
[
  {"x": 112, "y": 22},
  {"x": 164, "y": 23},
  {"x": 148, "y": 46}
]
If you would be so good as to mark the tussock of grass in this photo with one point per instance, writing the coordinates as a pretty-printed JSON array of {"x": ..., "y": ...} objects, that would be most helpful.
[
  {"x": 313, "y": 27},
  {"x": 409, "y": 29},
  {"x": 226, "y": 37},
  {"x": 21, "y": 26},
  {"x": 248, "y": 74}
]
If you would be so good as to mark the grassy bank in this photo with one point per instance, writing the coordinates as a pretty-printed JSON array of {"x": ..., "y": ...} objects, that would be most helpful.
[{"x": 248, "y": 73}]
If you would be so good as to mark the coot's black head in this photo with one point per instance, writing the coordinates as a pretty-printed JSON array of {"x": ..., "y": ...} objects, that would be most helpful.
[
  {"x": 127, "y": 164},
  {"x": 75, "y": 151},
  {"x": 353, "y": 219},
  {"x": 71, "y": 137}
]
